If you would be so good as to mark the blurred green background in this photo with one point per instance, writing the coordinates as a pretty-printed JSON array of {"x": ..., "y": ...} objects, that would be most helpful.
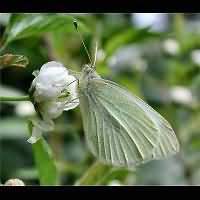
[{"x": 155, "y": 56}]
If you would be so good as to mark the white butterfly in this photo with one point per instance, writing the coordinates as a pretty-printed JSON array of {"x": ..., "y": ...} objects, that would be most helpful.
[{"x": 121, "y": 129}]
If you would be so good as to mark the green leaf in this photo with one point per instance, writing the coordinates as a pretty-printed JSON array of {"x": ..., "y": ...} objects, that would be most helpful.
[
  {"x": 128, "y": 36},
  {"x": 10, "y": 60},
  {"x": 27, "y": 25},
  {"x": 45, "y": 163}
]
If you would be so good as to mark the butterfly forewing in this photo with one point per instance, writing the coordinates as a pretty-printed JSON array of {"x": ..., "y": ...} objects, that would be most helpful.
[
  {"x": 120, "y": 128},
  {"x": 168, "y": 143}
]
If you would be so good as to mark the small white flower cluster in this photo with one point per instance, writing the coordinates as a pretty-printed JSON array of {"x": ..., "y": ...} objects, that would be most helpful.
[{"x": 53, "y": 91}]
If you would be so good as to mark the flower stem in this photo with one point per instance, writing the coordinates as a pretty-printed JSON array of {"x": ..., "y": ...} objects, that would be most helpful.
[
  {"x": 93, "y": 174},
  {"x": 16, "y": 98}
]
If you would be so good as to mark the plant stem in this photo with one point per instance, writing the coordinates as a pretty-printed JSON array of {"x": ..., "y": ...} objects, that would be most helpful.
[
  {"x": 16, "y": 98},
  {"x": 93, "y": 174}
]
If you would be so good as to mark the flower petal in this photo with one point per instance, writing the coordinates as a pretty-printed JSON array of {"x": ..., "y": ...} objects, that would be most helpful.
[
  {"x": 51, "y": 109},
  {"x": 71, "y": 105},
  {"x": 51, "y": 64},
  {"x": 38, "y": 127},
  {"x": 36, "y": 135},
  {"x": 51, "y": 80}
]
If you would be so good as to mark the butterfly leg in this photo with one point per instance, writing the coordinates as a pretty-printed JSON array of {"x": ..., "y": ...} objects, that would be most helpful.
[{"x": 73, "y": 82}]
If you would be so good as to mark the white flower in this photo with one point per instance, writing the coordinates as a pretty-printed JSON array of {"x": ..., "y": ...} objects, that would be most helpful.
[
  {"x": 64, "y": 98},
  {"x": 54, "y": 90},
  {"x": 181, "y": 95},
  {"x": 51, "y": 80},
  {"x": 171, "y": 46}
]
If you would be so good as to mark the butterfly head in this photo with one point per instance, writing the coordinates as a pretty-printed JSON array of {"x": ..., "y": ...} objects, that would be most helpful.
[{"x": 88, "y": 71}]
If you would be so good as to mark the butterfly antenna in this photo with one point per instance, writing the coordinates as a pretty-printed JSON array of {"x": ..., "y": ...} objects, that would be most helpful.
[
  {"x": 76, "y": 27},
  {"x": 95, "y": 54}
]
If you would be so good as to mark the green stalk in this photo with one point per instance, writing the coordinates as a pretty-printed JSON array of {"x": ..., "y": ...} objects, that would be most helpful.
[
  {"x": 16, "y": 98},
  {"x": 92, "y": 176}
]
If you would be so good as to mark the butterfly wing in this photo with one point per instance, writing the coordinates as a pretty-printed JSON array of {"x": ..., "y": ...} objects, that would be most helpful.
[
  {"x": 120, "y": 128},
  {"x": 168, "y": 143}
]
